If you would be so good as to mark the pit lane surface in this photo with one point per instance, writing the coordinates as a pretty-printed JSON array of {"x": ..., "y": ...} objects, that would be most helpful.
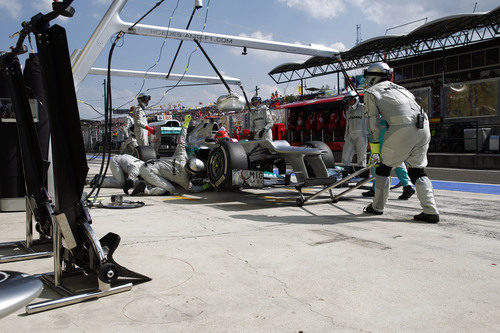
[{"x": 254, "y": 261}]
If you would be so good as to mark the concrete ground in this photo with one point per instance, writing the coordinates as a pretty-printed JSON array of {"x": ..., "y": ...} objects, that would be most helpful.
[{"x": 253, "y": 261}]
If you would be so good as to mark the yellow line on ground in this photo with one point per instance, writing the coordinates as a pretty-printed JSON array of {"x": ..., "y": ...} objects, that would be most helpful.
[{"x": 179, "y": 197}]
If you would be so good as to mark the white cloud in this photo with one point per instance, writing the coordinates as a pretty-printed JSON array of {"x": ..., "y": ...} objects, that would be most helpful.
[
  {"x": 338, "y": 46},
  {"x": 390, "y": 13},
  {"x": 322, "y": 9},
  {"x": 12, "y": 7}
]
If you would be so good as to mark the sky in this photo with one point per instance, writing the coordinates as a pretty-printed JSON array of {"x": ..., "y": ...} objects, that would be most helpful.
[{"x": 330, "y": 23}]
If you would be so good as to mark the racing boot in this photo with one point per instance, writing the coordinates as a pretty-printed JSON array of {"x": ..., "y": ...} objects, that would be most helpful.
[{"x": 408, "y": 191}]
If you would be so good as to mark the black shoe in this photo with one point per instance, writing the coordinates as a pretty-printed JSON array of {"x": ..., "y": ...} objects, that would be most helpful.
[
  {"x": 129, "y": 183},
  {"x": 429, "y": 218},
  {"x": 370, "y": 210},
  {"x": 139, "y": 188},
  {"x": 408, "y": 191},
  {"x": 369, "y": 193},
  {"x": 94, "y": 182}
]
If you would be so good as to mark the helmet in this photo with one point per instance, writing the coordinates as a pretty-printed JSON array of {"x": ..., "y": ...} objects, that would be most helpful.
[
  {"x": 195, "y": 165},
  {"x": 349, "y": 96},
  {"x": 221, "y": 134},
  {"x": 143, "y": 97},
  {"x": 256, "y": 99},
  {"x": 377, "y": 72}
]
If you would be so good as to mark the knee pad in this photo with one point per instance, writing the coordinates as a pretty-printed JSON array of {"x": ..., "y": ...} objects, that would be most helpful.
[
  {"x": 383, "y": 170},
  {"x": 416, "y": 173}
]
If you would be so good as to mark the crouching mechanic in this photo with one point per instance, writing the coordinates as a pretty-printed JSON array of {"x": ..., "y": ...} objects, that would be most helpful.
[
  {"x": 161, "y": 174},
  {"x": 406, "y": 140},
  {"x": 261, "y": 121},
  {"x": 355, "y": 136},
  {"x": 125, "y": 171}
]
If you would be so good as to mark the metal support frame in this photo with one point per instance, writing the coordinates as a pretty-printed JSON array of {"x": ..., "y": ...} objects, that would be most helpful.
[
  {"x": 27, "y": 245},
  {"x": 70, "y": 294},
  {"x": 164, "y": 76},
  {"x": 111, "y": 23},
  {"x": 303, "y": 200},
  {"x": 396, "y": 52}
]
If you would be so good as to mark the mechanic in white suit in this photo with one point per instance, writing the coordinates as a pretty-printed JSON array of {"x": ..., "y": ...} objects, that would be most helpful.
[
  {"x": 160, "y": 174},
  {"x": 406, "y": 140},
  {"x": 355, "y": 136},
  {"x": 261, "y": 120},
  {"x": 129, "y": 140},
  {"x": 141, "y": 127},
  {"x": 125, "y": 171}
]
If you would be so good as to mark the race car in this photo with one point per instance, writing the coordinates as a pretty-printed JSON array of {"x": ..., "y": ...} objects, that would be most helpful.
[{"x": 259, "y": 163}]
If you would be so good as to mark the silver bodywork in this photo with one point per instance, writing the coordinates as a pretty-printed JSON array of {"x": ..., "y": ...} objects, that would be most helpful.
[{"x": 17, "y": 290}]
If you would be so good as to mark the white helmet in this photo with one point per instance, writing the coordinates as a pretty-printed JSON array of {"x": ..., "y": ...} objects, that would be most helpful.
[
  {"x": 377, "y": 72},
  {"x": 349, "y": 96},
  {"x": 195, "y": 165}
]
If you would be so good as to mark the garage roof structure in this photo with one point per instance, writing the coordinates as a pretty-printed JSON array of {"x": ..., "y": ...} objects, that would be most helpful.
[{"x": 443, "y": 33}]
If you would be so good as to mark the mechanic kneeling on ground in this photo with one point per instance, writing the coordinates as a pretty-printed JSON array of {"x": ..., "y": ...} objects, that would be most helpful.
[
  {"x": 160, "y": 174},
  {"x": 125, "y": 171},
  {"x": 406, "y": 140},
  {"x": 261, "y": 121}
]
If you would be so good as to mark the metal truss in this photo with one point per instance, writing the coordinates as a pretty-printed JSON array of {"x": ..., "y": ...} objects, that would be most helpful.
[{"x": 403, "y": 49}]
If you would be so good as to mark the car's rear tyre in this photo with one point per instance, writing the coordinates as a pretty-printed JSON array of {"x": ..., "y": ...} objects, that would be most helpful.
[
  {"x": 222, "y": 160},
  {"x": 327, "y": 157},
  {"x": 146, "y": 153}
]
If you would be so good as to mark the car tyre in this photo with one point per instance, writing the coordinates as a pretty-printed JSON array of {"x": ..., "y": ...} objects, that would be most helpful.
[{"x": 222, "y": 160}]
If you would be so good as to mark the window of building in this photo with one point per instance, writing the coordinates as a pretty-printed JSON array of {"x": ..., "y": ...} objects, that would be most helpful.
[
  {"x": 464, "y": 61},
  {"x": 407, "y": 72},
  {"x": 418, "y": 70},
  {"x": 451, "y": 64},
  {"x": 438, "y": 66},
  {"x": 478, "y": 59},
  {"x": 428, "y": 68},
  {"x": 492, "y": 56}
]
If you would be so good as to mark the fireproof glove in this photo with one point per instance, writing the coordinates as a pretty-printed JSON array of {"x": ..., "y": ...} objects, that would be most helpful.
[
  {"x": 187, "y": 120},
  {"x": 151, "y": 130},
  {"x": 375, "y": 153}
]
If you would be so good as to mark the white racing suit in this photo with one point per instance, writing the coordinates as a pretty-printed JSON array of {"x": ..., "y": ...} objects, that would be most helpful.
[
  {"x": 129, "y": 140},
  {"x": 355, "y": 136},
  {"x": 261, "y": 119},
  {"x": 140, "y": 123},
  {"x": 403, "y": 141},
  {"x": 160, "y": 174},
  {"x": 122, "y": 167}
]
